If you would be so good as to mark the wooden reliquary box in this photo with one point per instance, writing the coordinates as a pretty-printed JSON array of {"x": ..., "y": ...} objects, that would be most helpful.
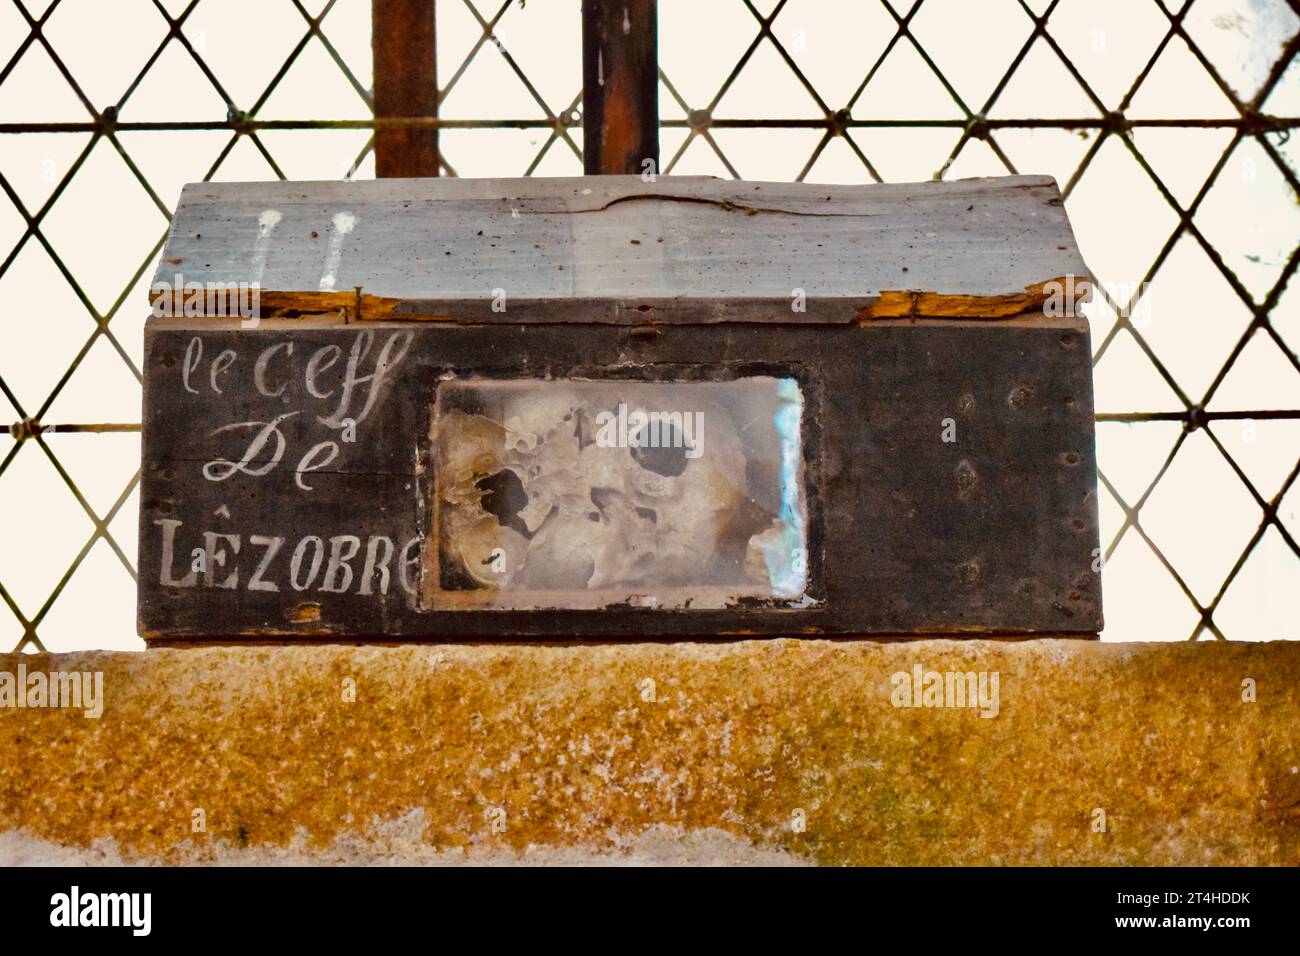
[{"x": 608, "y": 408}]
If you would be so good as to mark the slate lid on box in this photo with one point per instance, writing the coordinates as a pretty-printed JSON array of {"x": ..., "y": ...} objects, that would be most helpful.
[{"x": 619, "y": 249}]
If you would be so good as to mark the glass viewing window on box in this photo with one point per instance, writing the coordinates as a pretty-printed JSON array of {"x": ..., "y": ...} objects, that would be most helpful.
[{"x": 582, "y": 494}]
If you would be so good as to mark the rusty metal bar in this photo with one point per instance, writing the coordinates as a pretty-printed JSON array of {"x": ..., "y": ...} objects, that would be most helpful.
[
  {"x": 406, "y": 86},
  {"x": 620, "y": 86},
  {"x": 30, "y": 427}
]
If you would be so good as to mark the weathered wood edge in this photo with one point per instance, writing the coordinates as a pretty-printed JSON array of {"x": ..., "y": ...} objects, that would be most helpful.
[
  {"x": 637, "y": 329},
  {"x": 305, "y": 639},
  {"x": 908, "y": 306}
]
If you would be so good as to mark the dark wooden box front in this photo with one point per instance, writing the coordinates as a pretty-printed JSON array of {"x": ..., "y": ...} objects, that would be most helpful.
[{"x": 992, "y": 530}]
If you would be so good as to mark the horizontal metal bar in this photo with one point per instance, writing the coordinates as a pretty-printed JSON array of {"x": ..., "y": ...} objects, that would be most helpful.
[
  {"x": 31, "y": 428},
  {"x": 1198, "y": 416},
  {"x": 1117, "y": 122},
  {"x": 256, "y": 126},
  {"x": 250, "y": 125},
  {"x": 22, "y": 430}
]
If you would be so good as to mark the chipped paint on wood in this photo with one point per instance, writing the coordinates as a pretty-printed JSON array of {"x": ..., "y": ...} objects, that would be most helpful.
[{"x": 894, "y": 304}]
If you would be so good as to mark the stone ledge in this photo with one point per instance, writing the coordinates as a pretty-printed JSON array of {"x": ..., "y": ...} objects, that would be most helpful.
[{"x": 488, "y": 753}]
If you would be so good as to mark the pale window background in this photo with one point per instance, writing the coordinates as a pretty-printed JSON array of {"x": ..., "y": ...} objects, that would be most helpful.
[{"x": 93, "y": 248}]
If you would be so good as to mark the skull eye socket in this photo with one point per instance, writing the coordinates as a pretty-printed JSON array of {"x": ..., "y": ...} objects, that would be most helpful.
[
  {"x": 503, "y": 498},
  {"x": 668, "y": 458}
]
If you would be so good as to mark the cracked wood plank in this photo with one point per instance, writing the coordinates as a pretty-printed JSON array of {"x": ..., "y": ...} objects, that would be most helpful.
[{"x": 616, "y": 249}]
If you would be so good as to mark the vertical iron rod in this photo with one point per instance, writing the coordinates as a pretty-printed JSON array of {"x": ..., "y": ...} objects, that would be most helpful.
[
  {"x": 620, "y": 86},
  {"x": 406, "y": 86}
]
